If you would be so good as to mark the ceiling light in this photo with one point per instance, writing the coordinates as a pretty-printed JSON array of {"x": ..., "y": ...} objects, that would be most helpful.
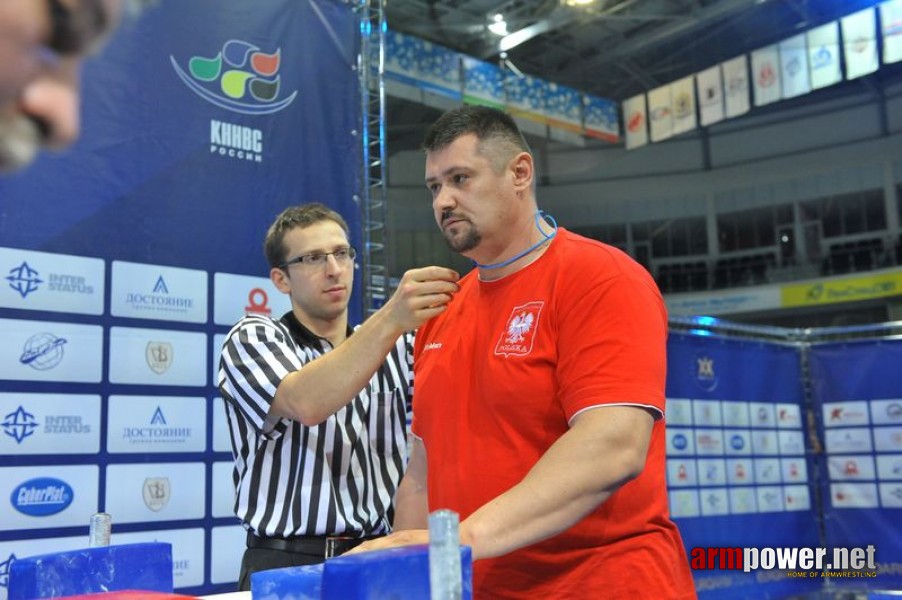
[
  {"x": 498, "y": 26},
  {"x": 578, "y": 2}
]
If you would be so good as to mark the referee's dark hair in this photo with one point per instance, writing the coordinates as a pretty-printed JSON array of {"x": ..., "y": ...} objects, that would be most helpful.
[{"x": 303, "y": 215}]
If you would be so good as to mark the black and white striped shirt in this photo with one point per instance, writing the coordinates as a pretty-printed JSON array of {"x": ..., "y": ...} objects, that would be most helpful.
[{"x": 337, "y": 478}]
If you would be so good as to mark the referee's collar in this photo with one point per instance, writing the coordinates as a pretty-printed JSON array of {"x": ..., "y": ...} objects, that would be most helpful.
[{"x": 303, "y": 335}]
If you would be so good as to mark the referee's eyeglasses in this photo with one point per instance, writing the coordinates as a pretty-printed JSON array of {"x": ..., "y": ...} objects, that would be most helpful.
[{"x": 342, "y": 256}]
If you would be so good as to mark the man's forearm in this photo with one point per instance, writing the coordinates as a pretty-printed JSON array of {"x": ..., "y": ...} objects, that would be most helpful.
[
  {"x": 323, "y": 386},
  {"x": 328, "y": 383},
  {"x": 411, "y": 499},
  {"x": 577, "y": 474}
]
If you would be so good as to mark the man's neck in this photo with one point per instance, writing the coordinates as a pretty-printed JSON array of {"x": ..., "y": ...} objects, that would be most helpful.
[
  {"x": 334, "y": 330},
  {"x": 536, "y": 239}
]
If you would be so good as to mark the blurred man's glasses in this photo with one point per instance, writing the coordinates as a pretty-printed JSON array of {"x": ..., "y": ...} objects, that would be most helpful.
[{"x": 342, "y": 256}]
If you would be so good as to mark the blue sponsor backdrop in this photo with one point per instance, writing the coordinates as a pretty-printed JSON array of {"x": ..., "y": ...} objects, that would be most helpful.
[
  {"x": 857, "y": 389},
  {"x": 152, "y": 179},
  {"x": 202, "y": 120},
  {"x": 764, "y": 379}
]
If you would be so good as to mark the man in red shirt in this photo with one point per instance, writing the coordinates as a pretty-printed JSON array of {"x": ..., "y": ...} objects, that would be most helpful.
[{"x": 539, "y": 402}]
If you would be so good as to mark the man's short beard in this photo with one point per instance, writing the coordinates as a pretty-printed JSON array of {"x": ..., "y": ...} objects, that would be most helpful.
[
  {"x": 465, "y": 242},
  {"x": 20, "y": 140}
]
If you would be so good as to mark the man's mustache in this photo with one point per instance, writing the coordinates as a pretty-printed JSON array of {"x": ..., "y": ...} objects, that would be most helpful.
[{"x": 447, "y": 214}]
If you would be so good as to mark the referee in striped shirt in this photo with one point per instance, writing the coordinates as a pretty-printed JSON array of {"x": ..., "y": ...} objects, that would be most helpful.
[{"x": 318, "y": 416}]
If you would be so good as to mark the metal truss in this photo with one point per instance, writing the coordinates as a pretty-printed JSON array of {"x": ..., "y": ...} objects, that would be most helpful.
[{"x": 372, "y": 201}]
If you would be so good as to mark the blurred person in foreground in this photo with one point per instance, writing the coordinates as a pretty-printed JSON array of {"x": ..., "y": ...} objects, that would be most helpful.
[
  {"x": 43, "y": 44},
  {"x": 539, "y": 412}
]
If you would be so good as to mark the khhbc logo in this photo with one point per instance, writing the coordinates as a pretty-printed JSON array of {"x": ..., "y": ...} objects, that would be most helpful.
[
  {"x": 245, "y": 79},
  {"x": 24, "y": 279}
]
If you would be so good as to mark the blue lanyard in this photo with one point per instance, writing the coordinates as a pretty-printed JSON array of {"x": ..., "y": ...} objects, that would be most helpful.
[{"x": 548, "y": 236}]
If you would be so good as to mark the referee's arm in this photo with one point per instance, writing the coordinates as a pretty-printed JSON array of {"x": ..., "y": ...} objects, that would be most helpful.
[{"x": 323, "y": 386}]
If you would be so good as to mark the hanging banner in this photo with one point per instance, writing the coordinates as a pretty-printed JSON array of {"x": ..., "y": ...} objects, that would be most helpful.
[
  {"x": 421, "y": 64},
  {"x": 823, "y": 55},
  {"x": 660, "y": 114},
  {"x": 859, "y": 36},
  {"x": 635, "y": 122},
  {"x": 736, "y": 86},
  {"x": 891, "y": 29},
  {"x": 738, "y": 469},
  {"x": 766, "y": 75},
  {"x": 857, "y": 392},
  {"x": 483, "y": 83},
  {"x": 794, "y": 66},
  {"x": 601, "y": 118},
  {"x": 682, "y": 105},
  {"x": 526, "y": 97},
  {"x": 709, "y": 85}
]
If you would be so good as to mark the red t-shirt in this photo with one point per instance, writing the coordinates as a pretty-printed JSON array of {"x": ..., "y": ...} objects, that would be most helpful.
[{"x": 499, "y": 375}]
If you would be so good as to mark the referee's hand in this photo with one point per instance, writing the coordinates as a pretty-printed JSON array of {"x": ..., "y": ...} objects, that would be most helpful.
[
  {"x": 405, "y": 537},
  {"x": 422, "y": 294}
]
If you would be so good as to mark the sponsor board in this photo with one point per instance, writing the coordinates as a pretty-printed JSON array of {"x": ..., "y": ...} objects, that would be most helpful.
[
  {"x": 44, "y": 497},
  {"x": 227, "y": 548},
  {"x": 235, "y": 296},
  {"x": 150, "y": 424},
  {"x": 714, "y": 501},
  {"x": 215, "y": 352},
  {"x": 680, "y": 442},
  {"x": 737, "y": 442},
  {"x": 736, "y": 414},
  {"x": 50, "y": 351},
  {"x": 681, "y": 473},
  {"x": 49, "y": 424},
  {"x": 886, "y": 412},
  {"x": 762, "y": 414},
  {"x": 767, "y": 470},
  {"x": 845, "y": 414},
  {"x": 223, "y": 490},
  {"x": 678, "y": 411},
  {"x": 684, "y": 503},
  {"x": 707, "y": 412},
  {"x": 848, "y": 440},
  {"x": 712, "y": 471},
  {"x": 143, "y": 291},
  {"x": 156, "y": 492},
  {"x": 52, "y": 282},
  {"x": 851, "y": 467},
  {"x": 221, "y": 436},
  {"x": 157, "y": 357}
]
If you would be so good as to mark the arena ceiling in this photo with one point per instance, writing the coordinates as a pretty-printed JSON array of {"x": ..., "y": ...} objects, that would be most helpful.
[{"x": 611, "y": 48}]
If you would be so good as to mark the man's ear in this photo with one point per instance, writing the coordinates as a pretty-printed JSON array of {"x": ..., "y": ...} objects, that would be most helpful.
[
  {"x": 280, "y": 279},
  {"x": 523, "y": 171}
]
